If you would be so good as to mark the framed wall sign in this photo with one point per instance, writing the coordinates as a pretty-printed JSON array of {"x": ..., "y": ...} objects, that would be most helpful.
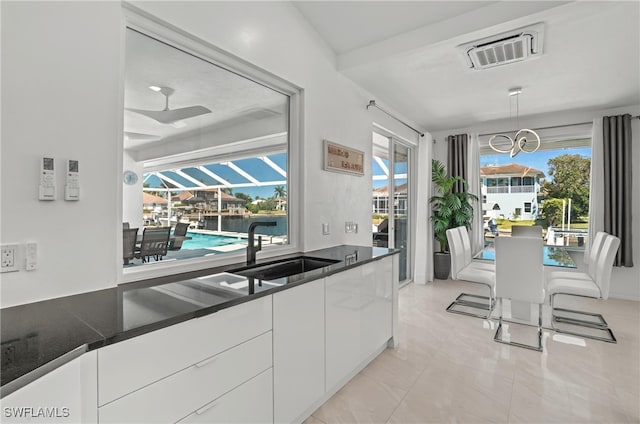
[{"x": 339, "y": 158}]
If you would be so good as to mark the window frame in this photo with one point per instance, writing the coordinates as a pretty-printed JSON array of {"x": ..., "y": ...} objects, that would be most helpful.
[{"x": 153, "y": 27}]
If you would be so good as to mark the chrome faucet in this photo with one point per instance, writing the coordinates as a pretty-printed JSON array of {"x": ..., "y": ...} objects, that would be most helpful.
[{"x": 251, "y": 247}]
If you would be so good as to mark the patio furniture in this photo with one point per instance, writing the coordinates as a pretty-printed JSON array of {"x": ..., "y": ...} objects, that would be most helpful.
[
  {"x": 596, "y": 286},
  {"x": 155, "y": 242},
  {"x": 129, "y": 236},
  {"x": 180, "y": 230},
  {"x": 519, "y": 277},
  {"x": 381, "y": 237}
]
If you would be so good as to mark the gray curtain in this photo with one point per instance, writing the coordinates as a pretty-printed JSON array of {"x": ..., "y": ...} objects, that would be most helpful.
[
  {"x": 617, "y": 184},
  {"x": 457, "y": 159}
]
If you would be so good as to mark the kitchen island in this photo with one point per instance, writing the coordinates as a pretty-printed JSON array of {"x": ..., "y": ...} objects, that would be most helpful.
[{"x": 205, "y": 338}]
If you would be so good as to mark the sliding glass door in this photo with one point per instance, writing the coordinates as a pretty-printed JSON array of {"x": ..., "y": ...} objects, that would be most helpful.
[{"x": 391, "y": 200}]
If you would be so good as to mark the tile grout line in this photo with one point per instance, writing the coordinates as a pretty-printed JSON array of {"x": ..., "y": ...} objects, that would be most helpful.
[{"x": 409, "y": 389}]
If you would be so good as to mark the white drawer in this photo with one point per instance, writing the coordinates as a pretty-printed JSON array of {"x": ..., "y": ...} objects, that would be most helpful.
[
  {"x": 250, "y": 403},
  {"x": 178, "y": 395},
  {"x": 132, "y": 364}
]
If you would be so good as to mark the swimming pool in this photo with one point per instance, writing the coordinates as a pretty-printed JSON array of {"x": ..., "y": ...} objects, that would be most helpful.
[{"x": 204, "y": 241}]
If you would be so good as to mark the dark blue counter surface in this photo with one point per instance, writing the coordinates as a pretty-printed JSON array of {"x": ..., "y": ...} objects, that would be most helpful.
[{"x": 35, "y": 334}]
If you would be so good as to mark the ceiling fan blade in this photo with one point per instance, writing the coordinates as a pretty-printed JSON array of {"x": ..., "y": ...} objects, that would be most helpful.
[{"x": 171, "y": 116}]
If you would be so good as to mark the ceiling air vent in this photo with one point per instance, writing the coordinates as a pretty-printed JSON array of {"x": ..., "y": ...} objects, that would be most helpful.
[{"x": 507, "y": 47}]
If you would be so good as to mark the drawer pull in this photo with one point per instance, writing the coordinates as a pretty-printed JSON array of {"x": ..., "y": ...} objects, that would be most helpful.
[
  {"x": 206, "y": 362},
  {"x": 205, "y": 408}
]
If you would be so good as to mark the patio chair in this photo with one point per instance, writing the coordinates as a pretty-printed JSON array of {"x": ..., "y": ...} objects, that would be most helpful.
[
  {"x": 129, "y": 236},
  {"x": 155, "y": 242},
  {"x": 463, "y": 267},
  {"x": 596, "y": 287},
  {"x": 180, "y": 230}
]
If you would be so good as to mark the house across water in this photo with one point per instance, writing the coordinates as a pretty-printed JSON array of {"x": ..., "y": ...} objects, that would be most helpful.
[{"x": 510, "y": 191}]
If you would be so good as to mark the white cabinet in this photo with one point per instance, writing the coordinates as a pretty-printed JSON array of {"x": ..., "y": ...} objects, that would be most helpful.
[
  {"x": 191, "y": 389},
  {"x": 358, "y": 313},
  {"x": 252, "y": 402},
  {"x": 375, "y": 315},
  {"x": 169, "y": 374},
  {"x": 342, "y": 314},
  {"x": 298, "y": 350},
  {"x": 129, "y": 365},
  {"x": 67, "y": 394}
]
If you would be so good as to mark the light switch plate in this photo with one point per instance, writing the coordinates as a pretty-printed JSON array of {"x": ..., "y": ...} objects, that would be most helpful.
[
  {"x": 325, "y": 229},
  {"x": 31, "y": 256}
]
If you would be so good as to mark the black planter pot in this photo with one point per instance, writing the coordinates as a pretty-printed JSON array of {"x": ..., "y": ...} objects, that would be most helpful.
[{"x": 441, "y": 265}]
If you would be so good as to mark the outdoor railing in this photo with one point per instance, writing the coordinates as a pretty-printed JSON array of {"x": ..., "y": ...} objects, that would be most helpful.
[
  {"x": 504, "y": 189},
  {"x": 511, "y": 189},
  {"x": 522, "y": 189}
]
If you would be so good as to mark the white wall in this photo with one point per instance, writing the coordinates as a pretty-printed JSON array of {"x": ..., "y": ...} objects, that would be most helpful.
[
  {"x": 62, "y": 96},
  {"x": 624, "y": 283}
]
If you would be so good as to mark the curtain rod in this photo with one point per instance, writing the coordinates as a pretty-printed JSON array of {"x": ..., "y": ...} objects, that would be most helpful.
[
  {"x": 550, "y": 127},
  {"x": 373, "y": 103}
]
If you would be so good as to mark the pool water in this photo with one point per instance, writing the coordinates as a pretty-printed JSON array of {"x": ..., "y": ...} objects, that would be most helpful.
[{"x": 203, "y": 241}]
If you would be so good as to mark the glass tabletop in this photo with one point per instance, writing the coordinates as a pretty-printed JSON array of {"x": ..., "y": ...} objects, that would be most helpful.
[{"x": 552, "y": 256}]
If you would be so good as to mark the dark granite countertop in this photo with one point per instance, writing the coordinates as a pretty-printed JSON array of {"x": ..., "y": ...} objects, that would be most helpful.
[{"x": 40, "y": 333}]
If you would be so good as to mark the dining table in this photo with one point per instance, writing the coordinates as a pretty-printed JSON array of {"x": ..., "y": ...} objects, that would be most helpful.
[
  {"x": 556, "y": 256},
  {"x": 552, "y": 256}
]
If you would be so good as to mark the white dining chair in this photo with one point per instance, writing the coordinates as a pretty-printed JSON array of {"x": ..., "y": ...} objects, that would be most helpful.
[
  {"x": 596, "y": 287},
  {"x": 520, "y": 277},
  {"x": 463, "y": 267},
  {"x": 592, "y": 261},
  {"x": 526, "y": 231},
  {"x": 468, "y": 254}
]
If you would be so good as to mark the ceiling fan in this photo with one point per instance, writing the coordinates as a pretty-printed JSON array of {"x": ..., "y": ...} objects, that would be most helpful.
[{"x": 170, "y": 116}]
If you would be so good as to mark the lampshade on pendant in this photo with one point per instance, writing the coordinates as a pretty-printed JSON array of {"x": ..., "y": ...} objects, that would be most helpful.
[{"x": 525, "y": 140}]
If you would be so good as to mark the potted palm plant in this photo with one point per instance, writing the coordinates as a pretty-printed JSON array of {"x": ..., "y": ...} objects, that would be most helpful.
[{"x": 448, "y": 210}]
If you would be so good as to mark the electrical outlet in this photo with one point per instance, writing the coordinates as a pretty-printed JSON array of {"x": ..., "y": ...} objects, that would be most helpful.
[
  {"x": 9, "y": 258},
  {"x": 8, "y": 354},
  {"x": 350, "y": 227}
]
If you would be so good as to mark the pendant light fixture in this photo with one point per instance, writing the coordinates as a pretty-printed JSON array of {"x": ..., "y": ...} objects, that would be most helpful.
[{"x": 525, "y": 140}]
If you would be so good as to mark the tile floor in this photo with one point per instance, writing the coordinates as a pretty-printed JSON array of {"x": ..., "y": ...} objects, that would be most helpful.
[{"x": 447, "y": 368}]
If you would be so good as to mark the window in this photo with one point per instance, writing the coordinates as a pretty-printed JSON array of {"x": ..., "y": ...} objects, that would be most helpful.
[
  {"x": 543, "y": 186},
  {"x": 210, "y": 147}
]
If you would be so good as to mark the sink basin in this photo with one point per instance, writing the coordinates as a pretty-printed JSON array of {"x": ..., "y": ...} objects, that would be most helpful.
[{"x": 285, "y": 268}]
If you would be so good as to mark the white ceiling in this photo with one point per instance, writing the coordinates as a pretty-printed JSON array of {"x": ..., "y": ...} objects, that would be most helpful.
[
  {"x": 405, "y": 54},
  {"x": 232, "y": 99}
]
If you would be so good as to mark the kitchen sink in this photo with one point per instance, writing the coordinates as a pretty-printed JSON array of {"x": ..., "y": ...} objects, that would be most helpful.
[{"x": 285, "y": 268}]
